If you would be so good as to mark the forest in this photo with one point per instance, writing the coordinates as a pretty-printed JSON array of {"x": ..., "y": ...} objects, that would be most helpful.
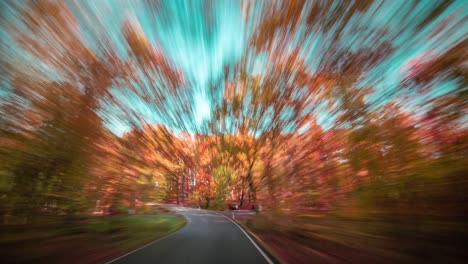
[{"x": 320, "y": 114}]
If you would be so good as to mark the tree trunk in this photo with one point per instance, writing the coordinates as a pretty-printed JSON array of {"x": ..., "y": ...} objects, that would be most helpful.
[
  {"x": 241, "y": 202},
  {"x": 253, "y": 193},
  {"x": 183, "y": 189},
  {"x": 177, "y": 191},
  {"x": 252, "y": 188}
]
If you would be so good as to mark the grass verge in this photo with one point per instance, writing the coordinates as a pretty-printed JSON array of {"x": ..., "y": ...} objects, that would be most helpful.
[
  {"x": 86, "y": 240},
  {"x": 325, "y": 238}
]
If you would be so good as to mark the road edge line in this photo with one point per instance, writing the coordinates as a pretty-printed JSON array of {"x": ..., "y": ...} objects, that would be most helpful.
[
  {"x": 149, "y": 244},
  {"x": 263, "y": 245},
  {"x": 265, "y": 256}
]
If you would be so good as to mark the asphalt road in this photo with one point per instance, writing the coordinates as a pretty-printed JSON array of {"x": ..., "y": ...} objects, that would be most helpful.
[{"x": 207, "y": 238}]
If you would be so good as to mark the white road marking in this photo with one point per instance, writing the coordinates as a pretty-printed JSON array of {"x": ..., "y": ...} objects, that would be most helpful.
[
  {"x": 251, "y": 240},
  {"x": 157, "y": 240},
  {"x": 188, "y": 222}
]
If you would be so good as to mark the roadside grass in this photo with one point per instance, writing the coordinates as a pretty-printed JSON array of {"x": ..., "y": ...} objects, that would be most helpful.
[
  {"x": 328, "y": 238},
  {"x": 417, "y": 219},
  {"x": 94, "y": 239}
]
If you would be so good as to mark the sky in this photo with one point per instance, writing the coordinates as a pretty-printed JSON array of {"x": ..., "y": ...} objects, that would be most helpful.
[{"x": 201, "y": 38}]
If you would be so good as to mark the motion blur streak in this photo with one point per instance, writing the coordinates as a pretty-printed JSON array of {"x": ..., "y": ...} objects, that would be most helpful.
[{"x": 342, "y": 123}]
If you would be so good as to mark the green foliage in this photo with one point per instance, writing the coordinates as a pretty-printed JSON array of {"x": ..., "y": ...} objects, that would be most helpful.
[{"x": 86, "y": 238}]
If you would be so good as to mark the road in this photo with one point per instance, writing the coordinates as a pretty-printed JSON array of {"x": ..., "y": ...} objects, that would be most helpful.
[{"x": 207, "y": 238}]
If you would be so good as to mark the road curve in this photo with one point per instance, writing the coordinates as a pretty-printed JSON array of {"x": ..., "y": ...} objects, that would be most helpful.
[{"x": 207, "y": 238}]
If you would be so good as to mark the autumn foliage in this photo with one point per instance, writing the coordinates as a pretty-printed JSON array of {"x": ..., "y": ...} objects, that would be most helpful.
[{"x": 264, "y": 146}]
